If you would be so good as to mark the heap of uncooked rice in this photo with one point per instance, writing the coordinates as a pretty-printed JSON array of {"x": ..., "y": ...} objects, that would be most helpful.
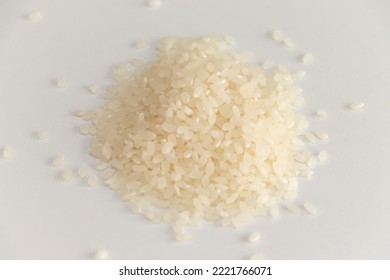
[{"x": 200, "y": 134}]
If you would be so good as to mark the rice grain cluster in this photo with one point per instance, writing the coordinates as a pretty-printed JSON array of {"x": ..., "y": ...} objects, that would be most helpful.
[{"x": 200, "y": 134}]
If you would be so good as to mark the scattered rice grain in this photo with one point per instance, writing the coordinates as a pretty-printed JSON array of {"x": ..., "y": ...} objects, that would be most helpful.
[
  {"x": 310, "y": 208},
  {"x": 58, "y": 160},
  {"x": 356, "y": 106},
  {"x": 321, "y": 113},
  {"x": 257, "y": 256},
  {"x": 154, "y": 3},
  {"x": 92, "y": 181},
  {"x": 322, "y": 156},
  {"x": 230, "y": 40},
  {"x": 67, "y": 175},
  {"x": 310, "y": 137},
  {"x": 274, "y": 212},
  {"x": 8, "y": 152},
  {"x": 142, "y": 44},
  {"x": 61, "y": 83},
  {"x": 288, "y": 43},
  {"x": 312, "y": 161},
  {"x": 34, "y": 16},
  {"x": 92, "y": 88},
  {"x": 293, "y": 208},
  {"x": 322, "y": 135},
  {"x": 101, "y": 166},
  {"x": 101, "y": 255},
  {"x": 277, "y": 35},
  {"x": 43, "y": 135},
  {"x": 78, "y": 113},
  {"x": 307, "y": 58},
  {"x": 82, "y": 171},
  {"x": 299, "y": 74},
  {"x": 268, "y": 64},
  {"x": 254, "y": 237},
  {"x": 183, "y": 237},
  {"x": 84, "y": 129},
  {"x": 306, "y": 173}
]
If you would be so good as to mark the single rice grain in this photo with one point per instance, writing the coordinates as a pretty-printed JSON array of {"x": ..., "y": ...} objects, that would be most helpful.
[
  {"x": 101, "y": 255},
  {"x": 67, "y": 175},
  {"x": 254, "y": 237},
  {"x": 356, "y": 106},
  {"x": 58, "y": 160},
  {"x": 307, "y": 58},
  {"x": 34, "y": 16},
  {"x": 61, "y": 83},
  {"x": 310, "y": 208},
  {"x": 8, "y": 152},
  {"x": 293, "y": 208},
  {"x": 43, "y": 135}
]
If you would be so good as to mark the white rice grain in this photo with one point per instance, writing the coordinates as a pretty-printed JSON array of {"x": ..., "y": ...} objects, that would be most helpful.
[
  {"x": 299, "y": 74},
  {"x": 277, "y": 35},
  {"x": 137, "y": 62},
  {"x": 142, "y": 44},
  {"x": 83, "y": 129},
  {"x": 61, "y": 82},
  {"x": 306, "y": 173},
  {"x": 34, "y": 16},
  {"x": 78, "y": 113},
  {"x": 322, "y": 135},
  {"x": 257, "y": 256},
  {"x": 154, "y": 3},
  {"x": 254, "y": 237},
  {"x": 67, "y": 175},
  {"x": 288, "y": 43},
  {"x": 310, "y": 208},
  {"x": 293, "y": 208},
  {"x": 312, "y": 161},
  {"x": 101, "y": 166},
  {"x": 268, "y": 64},
  {"x": 8, "y": 152},
  {"x": 321, "y": 114},
  {"x": 43, "y": 135},
  {"x": 58, "y": 160},
  {"x": 101, "y": 255},
  {"x": 274, "y": 212},
  {"x": 92, "y": 88},
  {"x": 307, "y": 58},
  {"x": 183, "y": 237},
  {"x": 230, "y": 40},
  {"x": 322, "y": 156},
  {"x": 82, "y": 171},
  {"x": 92, "y": 181},
  {"x": 356, "y": 106},
  {"x": 310, "y": 137}
]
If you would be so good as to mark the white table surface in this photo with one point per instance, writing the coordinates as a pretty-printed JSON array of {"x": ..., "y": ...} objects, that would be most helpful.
[{"x": 44, "y": 218}]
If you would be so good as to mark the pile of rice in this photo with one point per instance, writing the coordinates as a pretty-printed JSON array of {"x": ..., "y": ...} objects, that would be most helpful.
[{"x": 200, "y": 134}]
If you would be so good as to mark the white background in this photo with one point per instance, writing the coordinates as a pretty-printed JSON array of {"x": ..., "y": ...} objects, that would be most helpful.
[{"x": 44, "y": 218}]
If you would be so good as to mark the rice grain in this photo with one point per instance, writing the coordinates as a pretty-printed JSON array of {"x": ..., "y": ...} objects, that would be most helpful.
[
  {"x": 67, "y": 175},
  {"x": 58, "y": 160},
  {"x": 356, "y": 106},
  {"x": 34, "y": 16},
  {"x": 101, "y": 255},
  {"x": 254, "y": 237},
  {"x": 43, "y": 135},
  {"x": 8, "y": 152},
  {"x": 307, "y": 58},
  {"x": 310, "y": 208}
]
